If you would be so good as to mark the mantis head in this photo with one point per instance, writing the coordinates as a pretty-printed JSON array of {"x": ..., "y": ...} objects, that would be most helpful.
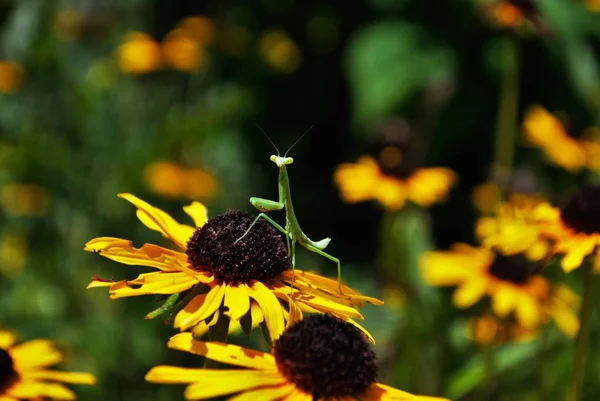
[{"x": 280, "y": 161}]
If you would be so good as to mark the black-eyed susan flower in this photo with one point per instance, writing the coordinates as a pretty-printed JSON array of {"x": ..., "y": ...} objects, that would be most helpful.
[
  {"x": 573, "y": 151},
  {"x": 366, "y": 180},
  {"x": 318, "y": 358},
  {"x": 577, "y": 233},
  {"x": 25, "y": 374},
  {"x": 519, "y": 225},
  {"x": 512, "y": 282},
  {"x": 139, "y": 54},
  {"x": 227, "y": 277}
]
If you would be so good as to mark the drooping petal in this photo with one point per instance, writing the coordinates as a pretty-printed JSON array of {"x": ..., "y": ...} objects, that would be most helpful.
[
  {"x": 250, "y": 380},
  {"x": 237, "y": 300},
  {"x": 270, "y": 306},
  {"x": 469, "y": 292},
  {"x": 123, "y": 251},
  {"x": 327, "y": 306},
  {"x": 575, "y": 251},
  {"x": 34, "y": 354},
  {"x": 32, "y": 389},
  {"x": 224, "y": 353},
  {"x": 157, "y": 283},
  {"x": 503, "y": 300},
  {"x": 198, "y": 212},
  {"x": 157, "y": 220},
  {"x": 200, "y": 308},
  {"x": 265, "y": 394},
  {"x": 65, "y": 377}
]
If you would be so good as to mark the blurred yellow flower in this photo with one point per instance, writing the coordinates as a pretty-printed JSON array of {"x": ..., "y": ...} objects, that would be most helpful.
[
  {"x": 139, "y": 54},
  {"x": 24, "y": 373},
  {"x": 201, "y": 29},
  {"x": 181, "y": 51},
  {"x": 24, "y": 199},
  {"x": 512, "y": 282},
  {"x": 364, "y": 180},
  {"x": 175, "y": 181},
  {"x": 11, "y": 76},
  {"x": 520, "y": 225},
  {"x": 13, "y": 252},
  {"x": 279, "y": 51},
  {"x": 546, "y": 131}
]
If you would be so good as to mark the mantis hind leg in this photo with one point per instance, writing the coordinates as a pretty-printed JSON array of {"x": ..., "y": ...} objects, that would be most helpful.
[
  {"x": 271, "y": 221},
  {"x": 318, "y": 251}
]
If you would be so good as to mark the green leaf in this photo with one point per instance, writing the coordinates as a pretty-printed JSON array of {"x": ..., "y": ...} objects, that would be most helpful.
[{"x": 387, "y": 63}]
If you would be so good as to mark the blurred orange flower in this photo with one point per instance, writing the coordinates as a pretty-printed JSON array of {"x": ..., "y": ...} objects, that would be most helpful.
[
  {"x": 175, "y": 181},
  {"x": 139, "y": 54},
  {"x": 24, "y": 199},
  {"x": 11, "y": 76}
]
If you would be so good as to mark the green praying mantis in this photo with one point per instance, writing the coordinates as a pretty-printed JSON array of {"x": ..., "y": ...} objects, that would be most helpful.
[{"x": 292, "y": 231}]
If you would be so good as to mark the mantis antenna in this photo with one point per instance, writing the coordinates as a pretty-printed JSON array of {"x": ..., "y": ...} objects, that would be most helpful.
[
  {"x": 298, "y": 140},
  {"x": 265, "y": 134}
]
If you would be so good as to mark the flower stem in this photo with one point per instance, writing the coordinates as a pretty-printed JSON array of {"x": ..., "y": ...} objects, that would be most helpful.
[
  {"x": 508, "y": 103},
  {"x": 585, "y": 315}
]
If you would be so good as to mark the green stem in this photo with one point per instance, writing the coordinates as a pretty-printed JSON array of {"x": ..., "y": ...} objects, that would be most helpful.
[
  {"x": 541, "y": 366},
  {"x": 585, "y": 315},
  {"x": 508, "y": 103}
]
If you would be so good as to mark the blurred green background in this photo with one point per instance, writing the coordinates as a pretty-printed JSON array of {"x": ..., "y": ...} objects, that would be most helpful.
[{"x": 89, "y": 110}]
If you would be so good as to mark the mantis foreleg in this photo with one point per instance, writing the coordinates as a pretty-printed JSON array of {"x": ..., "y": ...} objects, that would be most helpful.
[
  {"x": 167, "y": 305},
  {"x": 270, "y": 220}
]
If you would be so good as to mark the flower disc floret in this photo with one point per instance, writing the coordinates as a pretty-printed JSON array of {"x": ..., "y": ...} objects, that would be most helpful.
[
  {"x": 326, "y": 357},
  {"x": 582, "y": 211},
  {"x": 225, "y": 248}
]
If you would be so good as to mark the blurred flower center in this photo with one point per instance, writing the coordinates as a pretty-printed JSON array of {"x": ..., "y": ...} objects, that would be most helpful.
[
  {"x": 218, "y": 247},
  {"x": 392, "y": 162},
  {"x": 7, "y": 370},
  {"x": 326, "y": 357},
  {"x": 516, "y": 269},
  {"x": 527, "y": 7},
  {"x": 582, "y": 211}
]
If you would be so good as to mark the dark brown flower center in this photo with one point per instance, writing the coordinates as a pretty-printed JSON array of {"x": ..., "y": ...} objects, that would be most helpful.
[
  {"x": 326, "y": 357},
  {"x": 225, "y": 248},
  {"x": 582, "y": 212},
  {"x": 516, "y": 269},
  {"x": 7, "y": 371}
]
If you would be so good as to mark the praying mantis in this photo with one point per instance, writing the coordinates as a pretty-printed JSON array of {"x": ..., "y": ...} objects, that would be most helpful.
[{"x": 292, "y": 231}]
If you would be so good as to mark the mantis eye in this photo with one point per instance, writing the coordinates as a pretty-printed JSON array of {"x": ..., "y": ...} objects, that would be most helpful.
[
  {"x": 288, "y": 160},
  {"x": 273, "y": 158}
]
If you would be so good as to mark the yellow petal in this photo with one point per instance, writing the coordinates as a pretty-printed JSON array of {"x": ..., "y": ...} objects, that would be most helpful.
[
  {"x": 7, "y": 339},
  {"x": 327, "y": 306},
  {"x": 378, "y": 391},
  {"x": 469, "y": 292},
  {"x": 224, "y": 353},
  {"x": 265, "y": 394},
  {"x": 7, "y": 398},
  {"x": 98, "y": 244},
  {"x": 28, "y": 390},
  {"x": 528, "y": 311},
  {"x": 200, "y": 308},
  {"x": 160, "y": 283},
  {"x": 503, "y": 301},
  {"x": 297, "y": 395},
  {"x": 247, "y": 379},
  {"x": 356, "y": 181},
  {"x": 430, "y": 185},
  {"x": 358, "y": 326},
  {"x": 123, "y": 251},
  {"x": 576, "y": 252},
  {"x": 270, "y": 306},
  {"x": 566, "y": 320},
  {"x": 237, "y": 300},
  {"x": 157, "y": 220},
  {"x": 65, "y": 377},
  {"x": 34, "y": 354},
  {"x": 198, "y": 212},
  {"x": 98, "y": 282}
]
